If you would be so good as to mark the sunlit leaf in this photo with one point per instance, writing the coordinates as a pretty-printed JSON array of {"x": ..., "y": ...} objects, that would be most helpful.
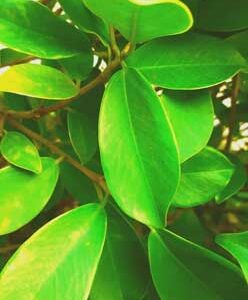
[
  {"x": 138, "y": 150},
  {"x": 190, "y": 61},
  {"x": 37, "y": 81},
  {"x": 30, "y": 27},
  {"x": 25, "y": 194},
  {"x": 71, "y": 247},
  {"x": 133, "y": 18},
  {"x": 203, "y": 176},
  {"x": 18, "y": 150}
]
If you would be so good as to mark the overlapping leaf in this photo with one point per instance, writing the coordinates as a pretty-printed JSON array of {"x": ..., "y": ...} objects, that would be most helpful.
[
  {"x": 234, "y": 18},
  {"x": 30, "y": 27},
  {"x": 18, "y": 150},
  {"x": 192, "y": 117},
  {"x": 203, "y": 177},
  {"x": 85, "y": 19},
  {"x": 83, "y": 135},
  {"x": 71, "y": 247},
  {"x": 236, "y": 182},
  {"x": 138, "y": 150},
  {"x": 123, "y": 269},
  {"x": 23, "y": 195},
  {"x": 237, "y": 245},
  {"x": 182, "y": 270},
  {"x": 37, "y": 81},
  {"x": 133, "y": 18},
  {"x": 190, "y": 61}
]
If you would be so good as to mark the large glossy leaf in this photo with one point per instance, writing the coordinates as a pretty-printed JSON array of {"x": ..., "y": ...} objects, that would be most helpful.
[
  {"x": 203, "y": 177},
  {"x": 237, "y": 245},
  {"x": 123, "y": 269},
  {"x": 133, "y": 18},
  {"x": 30, "y": 27},
  {"x": 183, "y": 270},
  {"x": 83, "y": 135},
  {"x": 138, "y": 150},
  {"x": 234, "y": 18},
  {"x": 192, "y": 118},
  {"x": 23, "y": 195},
  {"x": 190, "y": 61},
  {"x": 18, "y": 150},
  {"x": 61, "y": 258},
  {"x": 236, "y": 182},
  {"x": 85, "y": 19},
  {"x": 37, "y": 81}
]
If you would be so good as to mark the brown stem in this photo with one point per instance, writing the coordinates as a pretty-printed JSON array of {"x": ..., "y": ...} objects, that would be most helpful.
[
  {"x": 7, "y": 249},
  {"x": 19, "y": 61},
  {"x": 233, "y": 111},
  {"x": 42, "y": 111},
  {"x": 97, "y": 178}
]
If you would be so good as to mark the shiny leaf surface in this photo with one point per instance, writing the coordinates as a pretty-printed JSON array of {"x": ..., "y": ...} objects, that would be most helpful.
[
  {"x": 190, "y": 61},
  {"x": 18, "y": 150},
  {"x": 133, "y": 18},
  {"x": 192, "y": 117},
  {"x": 181, "y": 270},
  {"x": 37, "y": 81},
  {"x": 25, "y": 194},
  {"x": 137, "y": 147},
  {"x": 203, "y": 176},
  {"x": 30, "y": 27},
  {"x": 77, "y": 236}
]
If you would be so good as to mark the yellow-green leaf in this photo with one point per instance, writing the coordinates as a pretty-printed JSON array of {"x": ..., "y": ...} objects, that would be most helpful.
[
  {"x": 60, "y": 260},
  {"x": 18, "y": 150},
  {"x": 29, "y": 27},
  {"x": 37, "y": 81},
  {"x": 23, "y": 195}
]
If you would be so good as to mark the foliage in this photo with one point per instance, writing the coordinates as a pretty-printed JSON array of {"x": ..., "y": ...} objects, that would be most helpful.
[{"x": 123, "y": 153}]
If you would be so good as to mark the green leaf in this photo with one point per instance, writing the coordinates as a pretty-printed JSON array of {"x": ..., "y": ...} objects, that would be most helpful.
[
  {"x": 237, "y": 245},
  {"x": 237, "y": 181},
  {"x": 83, "y": 135},
  {"x": 37, "y": 81},
  {"x": 25, "y": 194},
  {"x": 123, "y": 269},
  {"x": 190, "y": 61},
  {"x": 18, "y": 150},
  {"x": 79, "y": 66},
  {"x": 71, "y": 177},
  {"x": 137, "y": 147},
  {"x": 71, "y": 248},
  {"x": 182, "y": 270},
  {"x": 235, "y": 16},
  {"x": 30, "y": 27},
  {"x": 190, "y": 227},
  {"x": 85, "y": 19},
  {"x": 192, "y": 118},
  {"x": 203, "y": 177},
  {"x": 133, "y": 18},
  {"x": 15, "y": 102},
  {"x": 239, "y": 41}
]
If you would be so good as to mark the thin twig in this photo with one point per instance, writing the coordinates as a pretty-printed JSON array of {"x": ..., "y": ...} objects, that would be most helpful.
[
  {"x": 42, "y": 111},
  {"x": 95, "y": 177},
  {"x": 18, "y": 61}
]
